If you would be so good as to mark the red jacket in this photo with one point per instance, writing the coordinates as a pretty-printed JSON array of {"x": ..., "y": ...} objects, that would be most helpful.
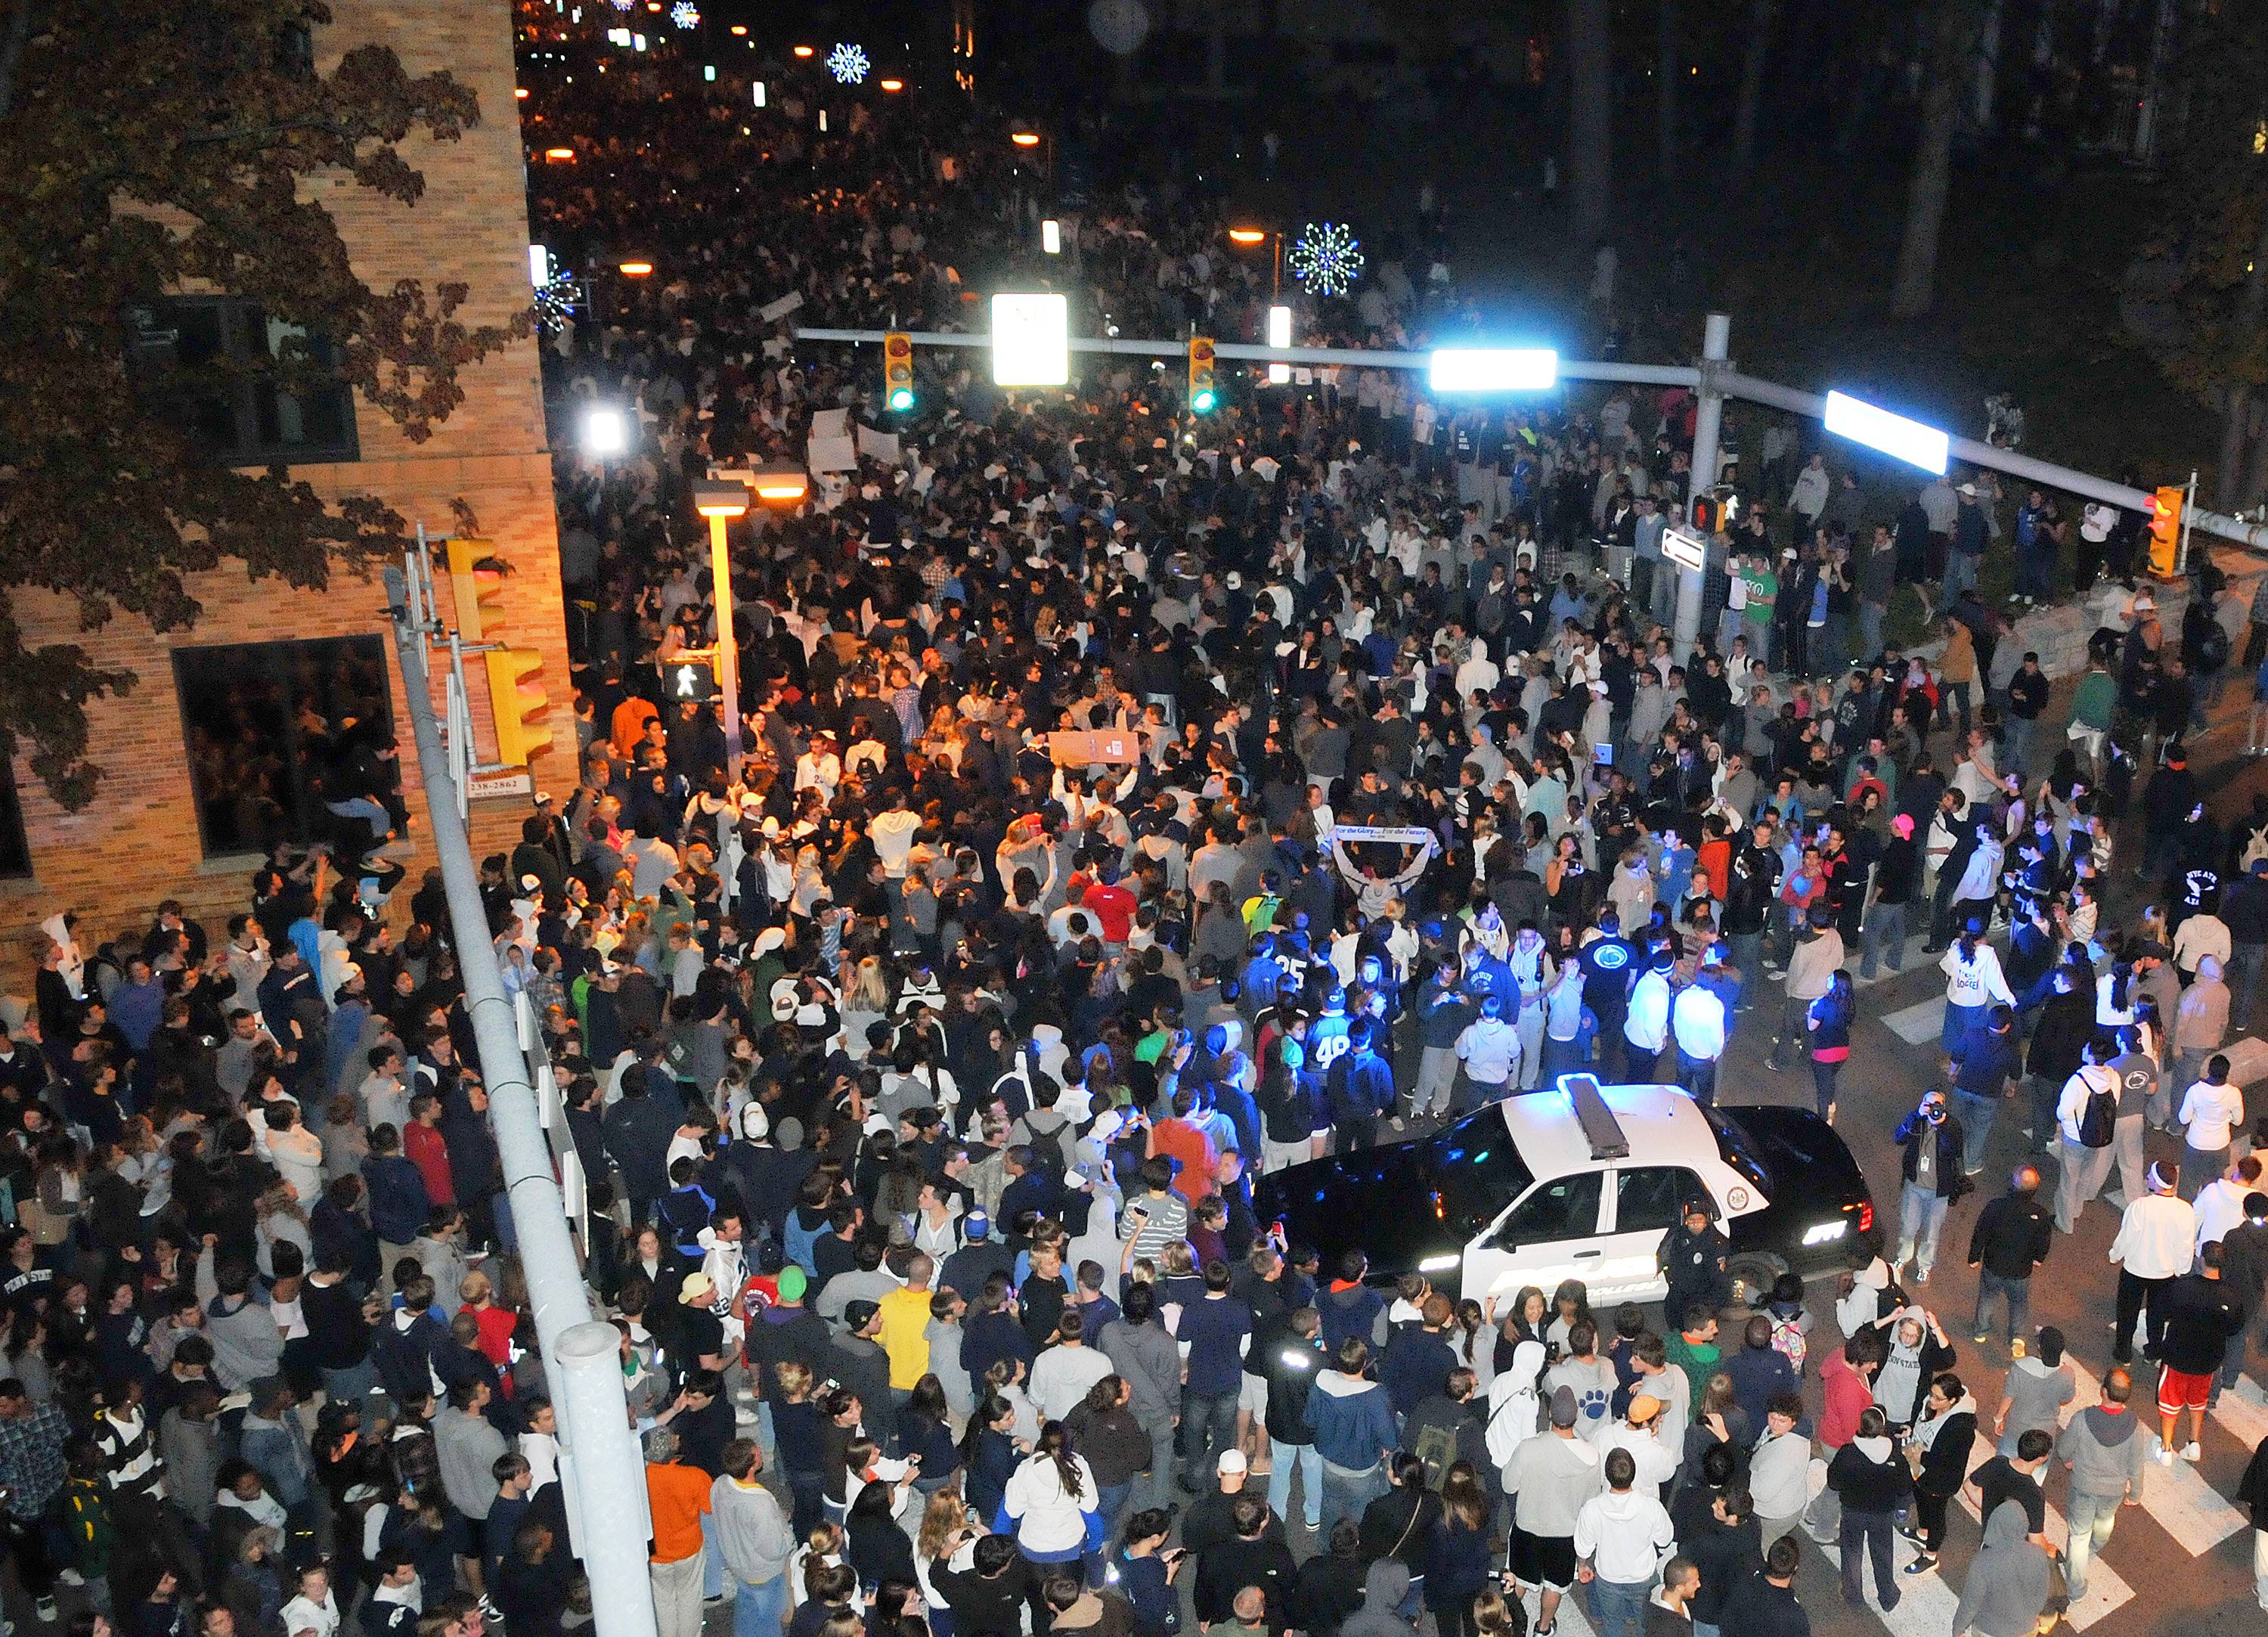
[
  {"x": 430, "y": 1153},
  {"x": 1847, "y": 1398}
]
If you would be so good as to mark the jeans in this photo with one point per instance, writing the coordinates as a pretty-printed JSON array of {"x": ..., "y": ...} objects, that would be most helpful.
[
  {"x": 2092, "y": 1517},
  {"x": 350, "y": 1385},
  {"x": 1698, "y": 1076},
  {"x": 1870, "y": 628},
  {"x": 1977, "y": 1115},
  {"x": 2134, "y": 1298},
  {"x": 1748, "y": 960},
  {"x": 1869, "y": 1531},
  {"x": 759, "y": 1610},
  {"x": 2019, "y": 747},
  {"x": 1161, "y": 1465},
  {"x": 2018, "y": 1294},
  {"x": 1208, "y": 1428},
  {"x": 1345, "y": 1494},
  {"x": 1956, "y": 1026},
  {"x": 1960, "y": 573},
  {"x": 1883, "y": 934},
  {"x": 1822, "y": 1083},
  {"x": 1311, "y": 1482},
  {"x": 2242, "y": 976},
  {"x": 1618, "y": 1608},
  {"x": 1921, "y": 1217}
]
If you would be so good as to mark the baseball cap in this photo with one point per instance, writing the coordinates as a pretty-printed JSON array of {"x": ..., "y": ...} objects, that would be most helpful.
[
  {"x": 696, "y": 1290},
  {"x": 976, "y": 1225},
  {"x": 858, "y": 1315},
  {"x": 792, "y": 1283},
  {"x": 1643, "y": 1408},
  {"x": 1563, "y": 1407},
  {"x": 1233, "y": 1464}
]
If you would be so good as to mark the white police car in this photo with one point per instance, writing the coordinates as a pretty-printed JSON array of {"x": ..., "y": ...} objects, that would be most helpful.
[{"x": 1581, "y": 1181}]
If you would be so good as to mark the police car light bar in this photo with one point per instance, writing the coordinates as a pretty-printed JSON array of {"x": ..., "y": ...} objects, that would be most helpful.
[{"x": 1600, "y": 1129}]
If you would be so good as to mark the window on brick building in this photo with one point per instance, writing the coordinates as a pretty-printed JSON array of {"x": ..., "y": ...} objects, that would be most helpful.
[
  {"x": 179, "y": 344},
  {"x": 15, "y": 851},
  {"x": 274, "y": 730}
]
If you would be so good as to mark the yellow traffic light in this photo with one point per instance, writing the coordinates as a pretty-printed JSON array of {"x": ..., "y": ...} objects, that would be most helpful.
[
  {"x": 1202, "y": 397},
  {"x": 518, "y": 703},
  {"x": 2166, "y": 529},
  {"x": 477, "y": 583},
  {"x": 898, "y": 370}
]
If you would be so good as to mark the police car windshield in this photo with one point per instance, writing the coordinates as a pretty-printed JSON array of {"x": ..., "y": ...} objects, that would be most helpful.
[{"x": 1476, "y": 1169}]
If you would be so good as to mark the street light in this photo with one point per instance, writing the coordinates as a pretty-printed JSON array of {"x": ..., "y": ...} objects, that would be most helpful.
[
  {"x": 780, "y": 483},
  {"x": 1279, "y": 335},
  {"x": 1494, "y": 369},
  {"x": 720, "y": 502},
  {"x": 1025, "y": 138},
  {"x": 1877, "y": 428},
  {"x": 893, "y": 84},
  {"x": 1249, "y": 236},
  {"x": 605, "y": 431},
  {"x": 635, "y": 269},
  {"x": 560, "y": 156},
  {"x": 1051, "y": 236},
  {"x": 804, "y": 51}
]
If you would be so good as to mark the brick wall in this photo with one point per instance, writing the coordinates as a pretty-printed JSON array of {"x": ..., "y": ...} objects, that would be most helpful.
[{"x": 138, "y": 843}]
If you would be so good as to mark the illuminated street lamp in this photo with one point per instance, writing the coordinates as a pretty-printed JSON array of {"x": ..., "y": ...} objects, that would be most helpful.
[
  {"x": 605, "y": 431},
  {"x": 635, "y": 269},
  {"x": 1025, "y": 138},
  {"x": 805, "y": 51},
  {"x": 560, "y": 156},
  {"x": 780, "y": 483},
  {"x": 1249, "y": 237},
  {"x": 720, "y": 502},
  {"x": 892, "y": 85}
]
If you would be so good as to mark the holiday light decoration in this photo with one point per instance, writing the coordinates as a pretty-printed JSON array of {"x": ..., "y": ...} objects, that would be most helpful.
[
  {"x": 685, "y": 14},
  {"x": 847, "y": 64},
  {"x": 1326, "y": 258}
]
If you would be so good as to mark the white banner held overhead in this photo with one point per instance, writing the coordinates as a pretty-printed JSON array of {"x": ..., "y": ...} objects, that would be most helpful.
[
  {"x": 831, "y": 423},
  {"x": 772, "y": 312},
  {"x": 1405, "y": 835},
  {"x": 832, "y": 454},
  {"x": 875, "y": 445}
]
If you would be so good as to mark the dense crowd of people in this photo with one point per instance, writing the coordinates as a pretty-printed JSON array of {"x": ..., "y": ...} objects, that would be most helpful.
[{"x": 1132, "y": 805}]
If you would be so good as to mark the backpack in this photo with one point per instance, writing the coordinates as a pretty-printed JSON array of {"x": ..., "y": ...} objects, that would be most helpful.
[
  {"x": 2212, "y": 648},
  {"x": 1437, "y": 1447},
  {"x": 2101, "y": 1114},
  {"x": 1789, "y": 1341}
]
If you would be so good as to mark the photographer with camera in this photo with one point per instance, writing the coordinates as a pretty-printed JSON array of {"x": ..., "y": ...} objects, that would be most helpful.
[{"x": 1931, "y": 1137}]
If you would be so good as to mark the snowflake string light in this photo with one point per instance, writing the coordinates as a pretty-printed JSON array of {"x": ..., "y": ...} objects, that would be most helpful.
[
  {"x": 847, "y": 64},
  {"x": 556, "y": 299},
  {"x": 685, "y": 14},
  {"x": 1326, "y": 258},
  {"x": 624, "y": 5}
]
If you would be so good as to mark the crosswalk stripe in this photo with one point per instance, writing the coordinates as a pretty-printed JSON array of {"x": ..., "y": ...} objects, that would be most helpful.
[
  {"x": 1925, "y": 1603},
  {"x": 2186, "y": 1506},
  {"x": 2243, "y": 1412},
  {"x": 1917, "y": 1025},
  {"x": 1570, "y": 1621}
]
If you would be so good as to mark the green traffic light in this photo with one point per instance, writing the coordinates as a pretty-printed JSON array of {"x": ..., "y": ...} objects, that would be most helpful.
[
  {"x": 903, "y": 398},
  {"x": 1203, "y": 403}
]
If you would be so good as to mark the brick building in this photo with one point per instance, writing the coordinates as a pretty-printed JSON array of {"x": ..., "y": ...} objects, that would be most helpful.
[{"x": 183, "y": 811}]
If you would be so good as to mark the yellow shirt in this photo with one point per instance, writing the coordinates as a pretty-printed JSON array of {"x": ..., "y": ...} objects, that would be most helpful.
[{"x": 904, "y": 1335}]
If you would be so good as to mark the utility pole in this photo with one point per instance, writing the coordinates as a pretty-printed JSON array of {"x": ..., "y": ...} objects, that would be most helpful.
[{"x": 1708, "y": 431}]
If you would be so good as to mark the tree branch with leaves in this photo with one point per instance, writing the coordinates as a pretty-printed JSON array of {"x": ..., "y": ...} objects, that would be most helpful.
[{"x": 155, "y": 148}]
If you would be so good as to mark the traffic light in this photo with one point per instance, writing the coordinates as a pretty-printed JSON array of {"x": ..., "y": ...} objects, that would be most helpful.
[
  {"x": 1203, "y": 396},
  {"x": 689, "y": 679},
  {"x": 898, "y": 370},
  {"x": 477, "y": 583},
  {"x": 518, "y": 703},
  {"x": 2166, "y": 529},
  {"x": 1709, "y": 513}
]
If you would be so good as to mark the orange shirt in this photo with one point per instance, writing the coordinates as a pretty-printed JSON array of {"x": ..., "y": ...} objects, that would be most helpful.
[
  {"x": 628, "y": 724},
  {"x": 677, "y": 1496},
  {"x": 1180, "y": 1141}
]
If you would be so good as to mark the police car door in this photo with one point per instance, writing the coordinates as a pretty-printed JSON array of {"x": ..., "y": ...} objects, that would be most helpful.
[
  {"x": 1645, "y": 1202},
  {"x": 1550, "y": 1234}
]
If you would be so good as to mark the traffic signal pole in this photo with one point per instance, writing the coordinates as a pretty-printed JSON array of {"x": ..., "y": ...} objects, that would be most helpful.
[
  {"x": 1708, "y": 434},
  {"x": 603, "y": 1465},
  {"x": 1732, "y": 384}
]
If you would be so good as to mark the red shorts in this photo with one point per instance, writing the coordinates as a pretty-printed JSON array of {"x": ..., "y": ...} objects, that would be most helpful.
[{"x": 2178, "y": 1391}]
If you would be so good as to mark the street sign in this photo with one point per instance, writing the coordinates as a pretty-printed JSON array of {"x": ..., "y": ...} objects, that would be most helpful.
[
  {"x": 1684, "y": 549},
  {"x": 510, "y": 781}
]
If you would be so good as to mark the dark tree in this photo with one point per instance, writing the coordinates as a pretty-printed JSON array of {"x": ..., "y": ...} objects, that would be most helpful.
[{"x": 155, "y": 147}]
